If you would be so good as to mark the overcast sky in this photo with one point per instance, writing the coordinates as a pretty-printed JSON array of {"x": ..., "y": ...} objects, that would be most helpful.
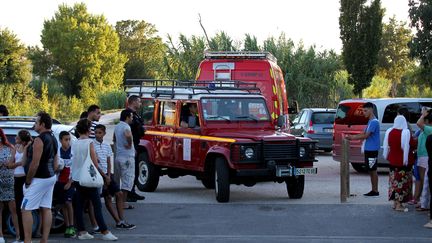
[{"x": 313, "y": 21}]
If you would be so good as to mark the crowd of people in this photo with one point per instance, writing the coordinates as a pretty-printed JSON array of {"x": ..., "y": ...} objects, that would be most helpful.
[
  {"x": 36, "y": 171},
  {"x": 409, "y": 154}
]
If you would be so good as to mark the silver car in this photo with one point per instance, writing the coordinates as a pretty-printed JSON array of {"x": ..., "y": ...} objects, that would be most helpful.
[{"x": 316, "y": 124}]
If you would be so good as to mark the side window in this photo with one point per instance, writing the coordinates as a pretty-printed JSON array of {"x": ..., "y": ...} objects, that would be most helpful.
[
  {"x": 303, "y": 117},
  {"x": 146, "y": 111},
  {"x": 167, "y": 113},
  {"x": 391, "y": 110}
]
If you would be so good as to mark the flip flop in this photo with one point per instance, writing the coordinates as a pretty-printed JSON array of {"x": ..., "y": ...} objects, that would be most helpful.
[
  {"x": 129, "y": 207},
  {"x": 422, "y": 209},
  {"x": 400, "y": 209}
]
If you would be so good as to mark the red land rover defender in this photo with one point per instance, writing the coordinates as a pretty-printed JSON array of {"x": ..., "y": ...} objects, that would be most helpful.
[
  {"x": 259, "y": 68},
  {"x": 231, "y": 138}
]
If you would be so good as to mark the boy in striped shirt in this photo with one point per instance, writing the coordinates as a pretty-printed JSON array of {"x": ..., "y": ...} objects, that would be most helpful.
[{"x": 110, "y": 188}]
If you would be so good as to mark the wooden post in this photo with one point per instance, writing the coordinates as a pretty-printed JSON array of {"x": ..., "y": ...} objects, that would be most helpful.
[{"x": 344, "y": 171}]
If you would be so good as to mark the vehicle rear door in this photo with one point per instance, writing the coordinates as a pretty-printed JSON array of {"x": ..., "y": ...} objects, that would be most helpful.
[{"x": 349, "y": 120}]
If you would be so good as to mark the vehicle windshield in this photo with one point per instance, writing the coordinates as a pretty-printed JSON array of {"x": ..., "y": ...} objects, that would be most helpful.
[{"x": 235, "y": 109}]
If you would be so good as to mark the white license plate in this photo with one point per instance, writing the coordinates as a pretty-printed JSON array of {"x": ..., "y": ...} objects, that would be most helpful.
[
  {"x": 305, "y": 171},
  {"x": 328, "y": 129}
]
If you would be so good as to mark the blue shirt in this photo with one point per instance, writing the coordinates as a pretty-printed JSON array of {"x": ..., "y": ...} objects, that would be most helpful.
[{"x": 372, "y": 143}]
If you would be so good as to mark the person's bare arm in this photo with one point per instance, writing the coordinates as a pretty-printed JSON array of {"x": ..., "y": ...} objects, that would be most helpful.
[
  {"x": 128, "y": 135},
  {"x": 420, "y": 121},
  {"x": 360, "y": 136},
  {"x": 93, "y": 156},
  {"x": 37, "y": 154}
]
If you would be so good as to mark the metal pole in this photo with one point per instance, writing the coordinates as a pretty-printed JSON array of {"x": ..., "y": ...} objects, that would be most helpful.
[{"x": 344, "y": 172}]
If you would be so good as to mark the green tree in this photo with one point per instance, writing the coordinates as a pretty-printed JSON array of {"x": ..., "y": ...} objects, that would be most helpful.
[
  {"x": 85, "y": 48},
  {"x": 420, "y": 13},
  {"x": 360, "y": 32},
  {"x": 182, "y": 60},
  {"x": 222, "y": 42},
  {"x": 393, "y": 57},
  {"x": 379, "y": 88},
  {"x": 143, "y": 47},
  {"x": 250, "y": 43},
  {"x": 15, "y": 68}
]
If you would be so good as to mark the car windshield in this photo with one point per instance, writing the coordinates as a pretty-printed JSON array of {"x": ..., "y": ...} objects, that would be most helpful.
[{"x": 235, "y": 109}]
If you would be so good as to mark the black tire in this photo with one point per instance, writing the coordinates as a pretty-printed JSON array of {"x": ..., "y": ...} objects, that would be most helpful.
[
  {"x": 327, "y": 150},
  {"x": 208, "y": 183},
  {"x": 359, "y": 167},
  {"x": 11, "y": 228},
  {"x": 295, "y": 186},
  {"x": 58, "y": 224},
  {"x": 148, "y": 177},
  {"x": 222, "y": 184}
]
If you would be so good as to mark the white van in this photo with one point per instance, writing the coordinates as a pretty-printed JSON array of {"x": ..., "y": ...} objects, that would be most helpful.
[{"x": 350, "y": 120}]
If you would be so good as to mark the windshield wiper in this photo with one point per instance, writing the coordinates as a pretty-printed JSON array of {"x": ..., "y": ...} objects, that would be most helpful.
[
  {"x": 224, "y": 118},
  {"x": 247, "y": 117}
]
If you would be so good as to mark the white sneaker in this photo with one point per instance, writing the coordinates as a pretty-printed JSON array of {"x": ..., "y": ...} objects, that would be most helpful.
[
  {"x": 109, "y": 236},
  {"x": 85, "y": 236},
  {"x": 2, "y": 240}
]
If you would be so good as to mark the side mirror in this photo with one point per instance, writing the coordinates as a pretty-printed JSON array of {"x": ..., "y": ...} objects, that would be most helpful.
[
  {"x": 281, "y": 121},
  {"x": 191, "y": 121},
  {"x": 293, "y": 108}
]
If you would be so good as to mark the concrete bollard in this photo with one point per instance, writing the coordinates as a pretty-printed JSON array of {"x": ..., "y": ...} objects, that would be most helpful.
[{"x": 344, "y": 171}]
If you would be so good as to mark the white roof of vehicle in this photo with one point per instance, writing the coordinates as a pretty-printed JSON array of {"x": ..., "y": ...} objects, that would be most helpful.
[
  {"x": 194, "y": 93},
  {"x": 388, "y": 100}
]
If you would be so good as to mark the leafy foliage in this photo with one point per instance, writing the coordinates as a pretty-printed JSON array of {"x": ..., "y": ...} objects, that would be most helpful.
[
  {"x": 379, "y": 88},
  {"x": 85, "y": 48},
  {"x": 144, "y": 49},
  {"x": 360, "y": 32},
  {"x": 420, "y": 12},
  {"x": 14, "y": 66},
  {"x": 393, "y": 58}
]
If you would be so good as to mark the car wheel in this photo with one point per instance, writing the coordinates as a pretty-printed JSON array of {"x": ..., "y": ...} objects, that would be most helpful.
[
  {"x": 359, "y": 167},
  {"x": 11, "y": 228},
  {"x": 208, "y": 183},
  {"x": 148, "y": 176},
  {"x": 327, "y": 150},
  {"x": 58, "y": 224},
  {"x": 295, "y": 186},
  {"x": 222, "y": 185}
]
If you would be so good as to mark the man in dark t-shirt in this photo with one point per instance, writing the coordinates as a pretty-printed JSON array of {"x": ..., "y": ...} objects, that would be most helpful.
[
  {"x": 137, "y": 129},
  {"x": 42, "y": 160}
]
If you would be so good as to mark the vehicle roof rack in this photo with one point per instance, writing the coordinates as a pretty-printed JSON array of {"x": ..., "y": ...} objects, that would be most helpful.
[
  {"x": 239, "y": 55},
  {"x": 23, "y": 119},
  {"x": 170, "y": 88}
]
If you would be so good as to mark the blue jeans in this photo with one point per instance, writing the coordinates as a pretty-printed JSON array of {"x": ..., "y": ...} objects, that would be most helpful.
[{"x": 92, "y": 194}]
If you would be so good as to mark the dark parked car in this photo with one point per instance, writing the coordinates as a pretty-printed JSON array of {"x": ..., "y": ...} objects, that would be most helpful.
[{"x": 316, "y": 124}]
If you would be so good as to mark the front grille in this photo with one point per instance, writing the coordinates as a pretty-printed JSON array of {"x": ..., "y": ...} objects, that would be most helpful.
[{"x": 280, "y": 151}]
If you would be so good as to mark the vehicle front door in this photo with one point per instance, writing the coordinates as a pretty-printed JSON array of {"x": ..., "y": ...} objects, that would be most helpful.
[
  {"x": 187, "y": 140},
  {"x": 164, "y": 140},
  {"x": 300, "y": 123}
]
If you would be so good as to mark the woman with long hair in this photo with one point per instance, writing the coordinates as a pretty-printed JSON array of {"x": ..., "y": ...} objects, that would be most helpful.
[
  {"x": 22, "y": 142},
  {"x": 80, "y": 149},
  {"x": 7, "y": 194}
]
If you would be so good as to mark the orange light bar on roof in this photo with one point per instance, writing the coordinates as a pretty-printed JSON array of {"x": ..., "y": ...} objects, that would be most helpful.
[{"x": 239, "y": 55}]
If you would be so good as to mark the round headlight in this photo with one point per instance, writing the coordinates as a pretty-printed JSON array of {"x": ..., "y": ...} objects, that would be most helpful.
[
  {"x": 302, "y": 152},
  {"x": 249, "y": 153}
]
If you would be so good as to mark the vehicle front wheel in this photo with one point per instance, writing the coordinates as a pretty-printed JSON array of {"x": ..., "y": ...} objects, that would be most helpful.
[
  {"x": 148, "y": 175},
  {"x": 222, "y": 184},
  {"x": 11, "y": 228},
  {"x": 295, "y": 186}
]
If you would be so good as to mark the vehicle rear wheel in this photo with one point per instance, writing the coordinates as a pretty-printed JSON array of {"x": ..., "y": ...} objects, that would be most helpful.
[
  {"x": 327, "y": 150},
  {"x": 359, "y": 167},
  {"x": 222, "y": 184},
  {"x": 295, "y": 186},
  {"x": 58, "y": 224},
  {"x": 148, "y": 176},
  {"x": 11, "y": 228}
]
